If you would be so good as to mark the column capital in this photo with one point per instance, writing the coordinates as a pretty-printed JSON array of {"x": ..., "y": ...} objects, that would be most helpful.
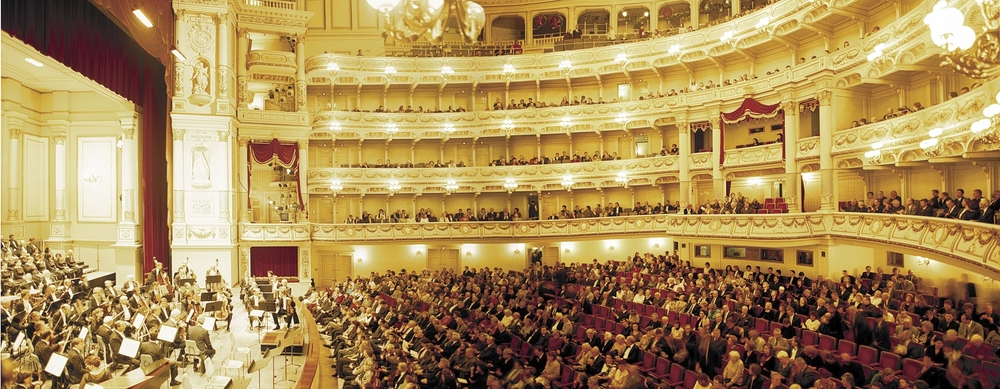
[
  {"x": 243, "y": 33},
  {"x": 179, "y": 134},
  {"x": 129, "y": 134},
  {"x": 790, "y": 107},
  {"x": 825, "y": 98},
  {"x": 129, "y": 119},
  {"x": 60, "y": 140},
  {"x": 224, "y": 136},
  {"x": 242, "y": 141},
  {"x": 683, "y": 126},
  {"x": 15, "y": 133},
  {"x": 221, "y": 17}
]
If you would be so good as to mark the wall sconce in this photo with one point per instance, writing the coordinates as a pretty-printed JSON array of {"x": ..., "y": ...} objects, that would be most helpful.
[
  {"x": 419, "y": 253},
  {"x": 566, "y": 251},
  {"x": 517, "y": 252},
  {"x": 359, "y": 259},
  {"x": 656, "y": 245},
  {"x": 923, "y": 261},
  {"x": 468, "y": 254},
  {"x": 611, "y": 248}
]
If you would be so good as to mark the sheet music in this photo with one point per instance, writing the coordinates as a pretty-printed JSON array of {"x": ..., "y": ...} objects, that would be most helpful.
[
  {"x": 139, "y": 320},
  {"x": 129, "y": 348},
  {"x": 56, "y": 364},
  {"x": 27, "y": 306},
  {"x": 83, "y": 333},
  {"x": 209, "y": 324},
  {"x": 406, "y": 346},
  {"x": 167, "y": 334},
  {"x": 18, "y": 341},
  {"x": 190, "y": 313}
]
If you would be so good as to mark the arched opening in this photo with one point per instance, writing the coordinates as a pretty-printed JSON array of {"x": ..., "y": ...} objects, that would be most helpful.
[
  {"x": 594, "y": 22},
  {"x": 545, "y": 25},
  {"x": 673, "y": 18},
  {"x": 714, "y": 11},
  {"x": 632, "y": 23},
  {"x": 507, "y": 28}
]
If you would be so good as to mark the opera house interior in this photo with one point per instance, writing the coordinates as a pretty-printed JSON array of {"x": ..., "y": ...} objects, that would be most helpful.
[{"x": 504, "y": 194}]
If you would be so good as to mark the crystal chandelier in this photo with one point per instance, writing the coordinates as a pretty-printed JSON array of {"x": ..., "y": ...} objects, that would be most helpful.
[
  {"x": 336, "y": 186},
  {"x": 567, "y": 182},
  {"x": 414, "y": 19},
  {"x": 510, "y": 184},
  {"x": 622, "y": 178},
  {"x": 975, "y": 55},
  {"x": 394, "y": 186},
  {"x": 451, "y": 185}
]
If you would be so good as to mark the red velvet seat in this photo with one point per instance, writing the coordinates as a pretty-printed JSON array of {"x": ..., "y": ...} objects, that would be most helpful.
[{"x": 868, "y": 356}]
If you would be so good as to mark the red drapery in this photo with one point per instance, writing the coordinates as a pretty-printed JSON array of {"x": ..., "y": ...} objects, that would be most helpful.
[
  {"x": 77, "y": 34},
  {"x": 282, "y": 260},
  {"x": 752, "y": 109},
  {"x": 286, "y": 155}
]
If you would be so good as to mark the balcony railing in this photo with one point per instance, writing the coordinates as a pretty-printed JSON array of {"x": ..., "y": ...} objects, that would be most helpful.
[
  {"x": 972, "y": 244},
  {"x": 755, "y": 155},
  {"x": 278, "y": 4}
]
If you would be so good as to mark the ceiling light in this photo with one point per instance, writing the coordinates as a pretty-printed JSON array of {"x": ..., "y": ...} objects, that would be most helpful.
[
  {"x": 447, "y": 71},
  {"x": 332, "y": 67},
  {"x": 565, "y": 64},
  {"x": 873, "y": 154},
  {"x": 624, "y": 13},
  {"x": 33, "y": 62},
  {"x": 980, "y": 125},
  {"x": 389, "y": 70},
  {"x": 646, "y": 14},
  {"x": 142, "y": 18},
  {"x": 928, "y": 143},
  {"x": 935, "y": 132},
  {"x": 992, "y": 110},
  {"x": 674, "y": 49},
  {"x": 178, "y": 54},
  {"x": 877, "y": 145},
  {"x": 383, "y": 5}
]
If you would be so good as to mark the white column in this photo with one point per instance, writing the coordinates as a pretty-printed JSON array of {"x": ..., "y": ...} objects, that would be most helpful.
[
  {"x": 179, "y": 184},
  {"x": 60, "y": 168},
  {"x": 827, "y": 174},
  {"x": 718, "y": 180},
  {"x": 792, "y": 181},
  {"x": 244, "y": 180},
  {"x": 127, "y": 222},
  {"x": 300, "y": 73},
  {"x": 14, "y": 176},
  {"x": 684, "y": 154},
  {"x": 222, "y": 58},
  {"x": 226, "y": 195},
  {"x": 241, "y": 67},
  {"x": 303, "y": 176},
  {"x": 693, "y": 6},
  {"x": 179, "y": 80}
]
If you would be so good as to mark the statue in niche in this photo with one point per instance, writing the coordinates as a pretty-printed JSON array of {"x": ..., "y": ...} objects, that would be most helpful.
[
  {"x": 200, "y": 82},
  {"x": 201, "y": 171}
]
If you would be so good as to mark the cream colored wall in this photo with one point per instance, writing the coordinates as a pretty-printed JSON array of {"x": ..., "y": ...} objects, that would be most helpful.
[{"x": 587, "y": 250}]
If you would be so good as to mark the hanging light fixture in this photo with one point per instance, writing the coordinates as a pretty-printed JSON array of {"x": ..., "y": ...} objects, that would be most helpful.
[
  {"x": 415, "y": 19},
  {"x": 508, "y": 71},
  {"x": 966, "y": 51},
  {"x": 507, "y": 126},
  {"x": 336, "y": 186},
  {"x": 451, "y": 185},
  {"x": 335, "y": 126},
  {"x": 622, "y": 178},
  {"x": 394, "y": 186},
  {"x": 567, "y": 182},
  {"x": 391, "y": 129},
  {"x": 448, "y": 128},
  {"x": 510, "y": 184}
]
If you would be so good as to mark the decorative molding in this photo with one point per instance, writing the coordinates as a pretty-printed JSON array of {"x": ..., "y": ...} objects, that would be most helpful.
[
  {"x": 15, "y": 133},
  {"x": 973, "y": 244},
  {"x": 825, "y": 98},
  {"x": 179, "y": 134}
]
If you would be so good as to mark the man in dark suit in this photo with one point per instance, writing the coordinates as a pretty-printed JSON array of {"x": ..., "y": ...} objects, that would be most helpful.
[
  {"x": 951, "y": 209},
  {"x": 156, "y": 351},
  {"x": 991, "y": 210},
  {"x": 596, "y": 366},
  {"x": 880, "y": 334},
  {"x": 632, "y": 354},
  {"x": 74, "y": 365},
  {"x": 45, "y": 346},
  {"x": 201, "y": 338},
  {"x": 802, "y": 374}
]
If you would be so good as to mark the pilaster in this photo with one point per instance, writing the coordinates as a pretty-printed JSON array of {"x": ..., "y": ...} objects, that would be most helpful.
[
  {"x": 827, "y": 173},
  {"x": 793, "y": 183},
  {"x": 684, "y": 146},
  {"x": 14, "y": 126},
  {"x": 718, "y": 180}
]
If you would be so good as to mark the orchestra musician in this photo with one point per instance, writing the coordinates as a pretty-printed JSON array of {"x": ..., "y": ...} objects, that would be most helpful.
[{"x": 184, "y": 272}]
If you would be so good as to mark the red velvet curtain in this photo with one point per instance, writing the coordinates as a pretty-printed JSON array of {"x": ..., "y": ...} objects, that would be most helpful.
[
  {"x": 753, "y": 109},
  {"x": 80, "y": 36},
  {"x": 282, "y": 260},
  {"x": 287, "y": 156}
]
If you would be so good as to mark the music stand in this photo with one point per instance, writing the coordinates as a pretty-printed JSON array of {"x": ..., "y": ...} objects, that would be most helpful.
[
  {"x": 284, "y": 343},
  {"x": 129, "y": 348},
  {"x": 213, "y": 306},
  {"x": 182, "y": 281},
  {"x": 207, "y": 296},
  {"x": 167, "y": 334},
  {"x": 213, "y": 280},
  {"x": 256, "y": 366},
  {"x": 56, "y": 365}
]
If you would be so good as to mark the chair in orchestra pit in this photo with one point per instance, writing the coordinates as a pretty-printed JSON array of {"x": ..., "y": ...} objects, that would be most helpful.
[
  {"x": 233, "y": 364},
  {"x": 145, "y": 359},
  {"x": 192, "y": 352},
  {"x": 238, "y": 351}
]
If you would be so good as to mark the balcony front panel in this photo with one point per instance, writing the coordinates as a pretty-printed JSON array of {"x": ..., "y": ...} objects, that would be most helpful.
[
  {"x": 479, "y": 179},
  {"x": 975, "y": 244},
  {"x": 755, "y": 155},
  {"x": 271, "y": 62}
]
